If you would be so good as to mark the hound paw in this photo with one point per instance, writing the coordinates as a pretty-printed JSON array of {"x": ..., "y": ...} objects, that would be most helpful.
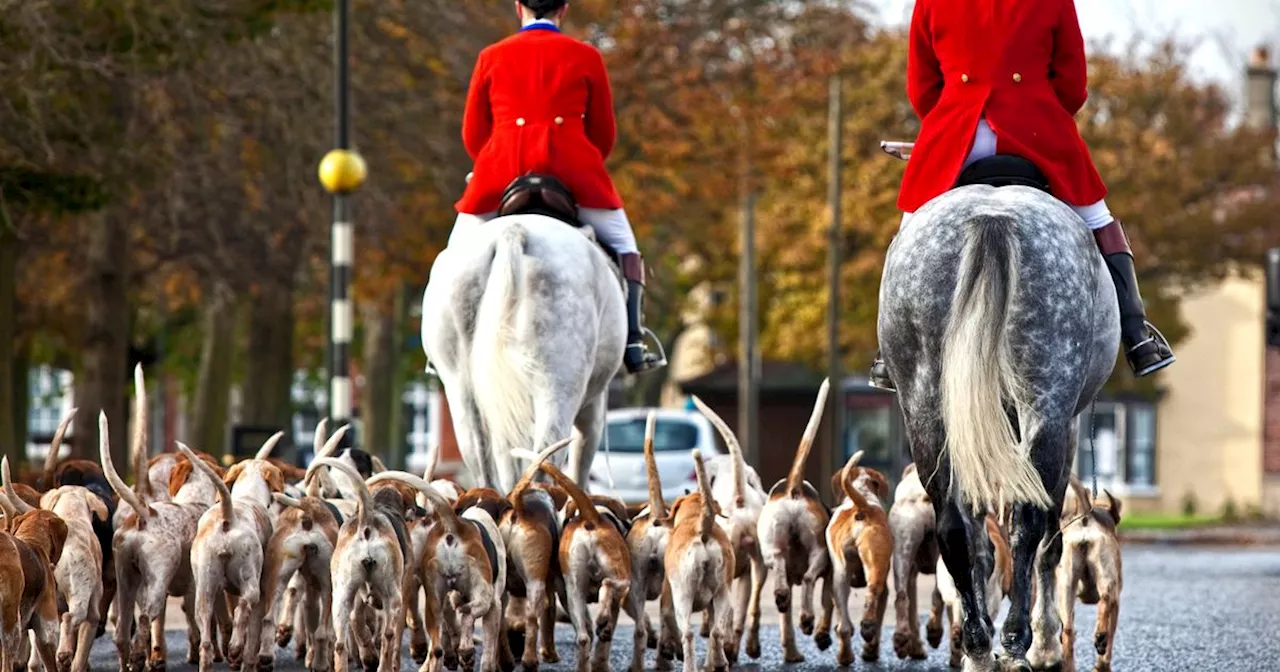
[
  {"x": 871, "y": 651},
  {"x": 266, "y": 663},
  {"x": 870, "y": 631},
  {"x": 933, "y": 632},
  {"x": 823, "y": 640},
  {"x": 1100, "y": 643},
  {"x": 467, "y": 658},
  {"x": 284, "y": 634},
  {"x": 793, "y": 656},
  {"x": 782, "y": 600},
  {"x": 64, "y": 661},
  {"x": 157, "y": 665},
  {"x": 1007, "y": 663},
  {"x": 451, "y": 661},
  {"x": 549, "y": 656},
  {"x": 753, "y": 645},
  {"x": 418, "y": 651},
  {"x": 806, "y": 624},
  {"x": 604, "y": 630}
]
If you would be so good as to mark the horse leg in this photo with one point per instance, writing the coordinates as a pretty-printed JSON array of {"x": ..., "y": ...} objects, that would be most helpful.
[
  {"x": 590, "y": 423},
  {"x": 1037, "y": 548},
  {"x": 968, "y": 562}
]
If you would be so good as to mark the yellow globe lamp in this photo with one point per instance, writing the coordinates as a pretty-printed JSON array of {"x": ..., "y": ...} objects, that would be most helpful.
[{"x": 342, "y": 171}]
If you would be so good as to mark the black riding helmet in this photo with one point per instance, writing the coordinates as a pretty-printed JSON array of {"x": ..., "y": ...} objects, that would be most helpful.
[{"x": 542, "y": 8}]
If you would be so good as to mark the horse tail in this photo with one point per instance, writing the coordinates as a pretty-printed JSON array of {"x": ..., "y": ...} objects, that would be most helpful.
[
  {"x": 501, "y": 371},
  {"x": 978, "y": 374}
]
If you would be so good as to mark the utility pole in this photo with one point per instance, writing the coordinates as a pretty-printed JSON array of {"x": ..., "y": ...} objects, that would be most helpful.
[
  {"x": 342, "y": 171},
  {"x": 748, "y": 352},
  {"x": 835, "y": 420}
]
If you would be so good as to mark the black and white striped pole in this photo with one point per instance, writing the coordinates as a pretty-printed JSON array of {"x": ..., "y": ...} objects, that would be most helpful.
[{"x": 342, "y": 171}]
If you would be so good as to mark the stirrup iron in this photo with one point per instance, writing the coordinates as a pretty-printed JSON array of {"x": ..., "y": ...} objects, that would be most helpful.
[{"x": 647, "y": 333}]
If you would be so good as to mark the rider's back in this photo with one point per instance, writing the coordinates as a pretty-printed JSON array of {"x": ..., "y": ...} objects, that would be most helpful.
[
  {"x": 1020, "y": 64},
  {"x": 539, "y": 101}
]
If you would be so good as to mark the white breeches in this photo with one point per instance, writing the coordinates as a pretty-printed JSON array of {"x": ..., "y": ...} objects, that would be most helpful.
[
  {"x": 1095, "y": 215},
  {"x": 611, "y": 226}
]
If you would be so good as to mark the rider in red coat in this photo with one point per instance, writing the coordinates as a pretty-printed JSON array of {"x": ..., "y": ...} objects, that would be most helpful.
[
  {"x": 993, "y": 77},
  {"x": 540, "y": 102}
]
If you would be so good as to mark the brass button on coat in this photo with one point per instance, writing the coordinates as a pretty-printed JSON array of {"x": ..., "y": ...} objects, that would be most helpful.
[
  {"x": 520, "y": 121},
  {"x": 964, "y": 78},
  {"x": 559, "y": 120},
  {"x": 1017, "y": 77}
]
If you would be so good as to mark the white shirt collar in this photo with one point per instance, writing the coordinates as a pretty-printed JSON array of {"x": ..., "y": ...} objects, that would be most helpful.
[{"x": 529, "y": 22}]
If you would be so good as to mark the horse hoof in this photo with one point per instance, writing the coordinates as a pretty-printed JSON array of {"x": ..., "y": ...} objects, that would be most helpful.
[
  {"x": 822, "y": 640},
  {"x": 266, "y": 663}
]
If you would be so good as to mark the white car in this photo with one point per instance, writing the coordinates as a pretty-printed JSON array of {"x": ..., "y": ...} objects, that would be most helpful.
[{"x": 676, "y": 433}]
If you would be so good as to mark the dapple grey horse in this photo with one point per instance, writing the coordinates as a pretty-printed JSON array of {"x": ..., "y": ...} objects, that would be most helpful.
[
  {"x": 524, "y": 321},
  {"x": 999, "y": 325}
]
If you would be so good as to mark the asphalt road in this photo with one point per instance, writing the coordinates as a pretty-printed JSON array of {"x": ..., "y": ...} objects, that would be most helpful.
[{"x": 1181, "y": 609}]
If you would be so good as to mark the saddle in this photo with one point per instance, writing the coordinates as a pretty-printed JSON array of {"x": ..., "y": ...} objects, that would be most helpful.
[
  {"x": 539, "y": 194},
  {"x": 1004, "y": 170}
]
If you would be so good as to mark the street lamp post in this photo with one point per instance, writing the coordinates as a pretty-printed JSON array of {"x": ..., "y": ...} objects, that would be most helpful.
[{"x": 342, "y": 171}]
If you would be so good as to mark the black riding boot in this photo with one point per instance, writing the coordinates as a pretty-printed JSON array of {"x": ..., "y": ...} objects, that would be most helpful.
[
  {"x": 1145, "y": 348},
  {"x": 880, "y": 375},
  {"x": 636, "y": 357}
]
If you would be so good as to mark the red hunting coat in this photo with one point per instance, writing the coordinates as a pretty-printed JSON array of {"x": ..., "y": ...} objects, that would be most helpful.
[
  {"x": 1021, "y": 63},
  {"x": 539, "y": 101}
]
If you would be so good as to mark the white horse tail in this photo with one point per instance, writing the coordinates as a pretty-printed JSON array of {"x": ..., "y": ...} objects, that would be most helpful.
[
  {"x": 502, "y": 371},
  {"x": 978, "y": 374}
]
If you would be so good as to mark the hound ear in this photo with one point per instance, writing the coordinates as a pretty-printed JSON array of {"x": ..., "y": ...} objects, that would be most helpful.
[
  {"x": 275, "y": 478},
  {"x": 97, "y": 507},
  {"x": 179, "y": 476},
  {"x": 233, "y": 474}
]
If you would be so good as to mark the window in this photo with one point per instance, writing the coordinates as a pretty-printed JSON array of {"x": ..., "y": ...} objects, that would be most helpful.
[
  {"x": 1123, "y": 446},
  {"x": 627, "y": 436}
]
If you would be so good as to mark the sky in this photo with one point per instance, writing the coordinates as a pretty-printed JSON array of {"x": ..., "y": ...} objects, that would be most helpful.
[{"x": 1226, "y": 30}]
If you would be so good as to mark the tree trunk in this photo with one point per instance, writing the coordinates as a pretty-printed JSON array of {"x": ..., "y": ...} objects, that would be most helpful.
[
  {"x": 379, "y": 397},
  {"x": 21, "y": 394},
  {"x": 268, "y": 389},
  {"x": 102, "y": 380},
  {"x": 8, "y": 316},
  {"x": 213, "y": 388}
]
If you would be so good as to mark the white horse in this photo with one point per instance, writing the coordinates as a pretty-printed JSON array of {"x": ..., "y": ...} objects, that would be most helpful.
[{"x": 524, "y": 321}]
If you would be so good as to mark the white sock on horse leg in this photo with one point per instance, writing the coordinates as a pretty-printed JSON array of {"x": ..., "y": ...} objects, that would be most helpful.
[
  {"x": 612, "y": 228},
  {"x": 1095, "y": 216}
]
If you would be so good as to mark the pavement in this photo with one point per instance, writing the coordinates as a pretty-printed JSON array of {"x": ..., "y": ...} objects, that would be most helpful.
[{"x": 1183, "y": 608}]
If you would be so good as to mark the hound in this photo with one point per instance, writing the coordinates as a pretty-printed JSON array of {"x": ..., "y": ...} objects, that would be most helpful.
[
  {"x": 915, "y": 552},
  {"x": 33, "y": 544},
  {"x": 153, "y": 560},
  {"x": 531, "y": 532},
  {"x": 464, "y": 570},
  {"x": 78, "y": 571},
  {"x": 741, "y": 498},
  {"x": 861, "y": 548},
  {"x": 699, "y": 566},
  {"x": 792, "y": 531},
  {"x": 1090, "y": 570},
  {"x": 647, "y": 542},
  {"x": 368, "y": 559},
  {"x": 597, "y": 568},
  {"x": 228, "y": 551}
]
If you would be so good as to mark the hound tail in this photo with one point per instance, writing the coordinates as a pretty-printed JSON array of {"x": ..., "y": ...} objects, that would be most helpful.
[
  {"x": 502, "y": 369},
  {"x": 657, "y": 508},
  {"x": 978, "y": 375},
  {"x": 708, "y": 520},
  {"x": 224, "y": 493},
  {"x": 113, "y": 477},
  {"x": 796, "y": 476},
  {"x": 735, "y": 452}
]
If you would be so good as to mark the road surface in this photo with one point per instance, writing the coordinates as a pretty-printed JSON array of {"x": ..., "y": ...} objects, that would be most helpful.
[{"x": 1182, "y": 608}]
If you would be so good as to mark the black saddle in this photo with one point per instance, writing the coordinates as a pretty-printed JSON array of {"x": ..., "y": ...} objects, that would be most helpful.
[
  {"x": 1004, "y": 170},
  {"x": 539, "y": 194}
]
